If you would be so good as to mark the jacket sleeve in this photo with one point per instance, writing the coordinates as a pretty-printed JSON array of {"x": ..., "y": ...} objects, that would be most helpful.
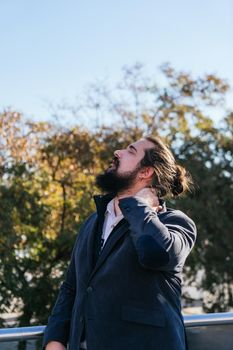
[
  {"x": 159, "y": 245},
  {"x": 59, "y": 321}
]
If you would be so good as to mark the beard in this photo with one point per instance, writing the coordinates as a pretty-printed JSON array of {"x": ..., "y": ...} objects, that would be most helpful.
[{"x": 114, "y": 183}]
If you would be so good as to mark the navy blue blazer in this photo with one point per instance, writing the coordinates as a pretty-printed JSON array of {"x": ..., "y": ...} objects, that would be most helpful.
[{"x": 129, "y": 299}]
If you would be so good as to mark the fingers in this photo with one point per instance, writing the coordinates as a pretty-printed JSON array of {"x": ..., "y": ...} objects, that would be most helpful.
[{"x": 159, "y": 208}]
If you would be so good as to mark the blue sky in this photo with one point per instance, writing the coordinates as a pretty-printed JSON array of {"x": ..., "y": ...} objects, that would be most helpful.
[{"x": 51, "y": 49}]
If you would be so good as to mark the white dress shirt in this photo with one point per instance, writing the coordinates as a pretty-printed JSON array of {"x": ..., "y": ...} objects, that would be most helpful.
[{"x": 110, "y": 221}]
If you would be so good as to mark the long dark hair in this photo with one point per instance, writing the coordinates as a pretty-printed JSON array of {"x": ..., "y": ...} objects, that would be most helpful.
[{"x": 170, "y": 178}]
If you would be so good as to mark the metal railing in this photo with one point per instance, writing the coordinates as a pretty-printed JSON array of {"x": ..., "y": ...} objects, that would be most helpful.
[
  {"x": 21, "y": 333},
  {"x": 208, "y": 319},
  {"x": 206, "y": 331}
]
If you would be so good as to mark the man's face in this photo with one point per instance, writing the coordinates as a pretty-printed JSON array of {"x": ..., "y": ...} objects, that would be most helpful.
[
  {"x": 123, "y": 172},
  {"x": 126, "y": 160}
]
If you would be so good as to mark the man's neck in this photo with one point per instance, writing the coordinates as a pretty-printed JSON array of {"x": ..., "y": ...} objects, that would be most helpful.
[{"x": 148, "y": 195}]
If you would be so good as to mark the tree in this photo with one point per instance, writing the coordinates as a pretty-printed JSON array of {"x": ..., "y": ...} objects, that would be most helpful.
[{"x": 47, "y": 182}]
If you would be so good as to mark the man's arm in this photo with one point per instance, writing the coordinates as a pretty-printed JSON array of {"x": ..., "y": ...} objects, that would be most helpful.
[
  {"x": 158, "y": 245},
  {"x": 57, "y": 331}
]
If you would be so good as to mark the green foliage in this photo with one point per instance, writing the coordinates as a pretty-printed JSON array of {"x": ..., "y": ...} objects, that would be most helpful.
[{"x": 47, "y": 182}]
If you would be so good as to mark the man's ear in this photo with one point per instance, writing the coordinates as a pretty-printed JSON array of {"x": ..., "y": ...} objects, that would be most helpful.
[{"x": 146, "y": 173}]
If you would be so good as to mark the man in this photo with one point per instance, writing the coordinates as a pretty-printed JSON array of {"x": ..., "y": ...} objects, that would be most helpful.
[{"x": 123, "y": 285}]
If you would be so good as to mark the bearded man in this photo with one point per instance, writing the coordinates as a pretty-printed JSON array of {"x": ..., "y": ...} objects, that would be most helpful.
[{"x": 123, "y": 286}]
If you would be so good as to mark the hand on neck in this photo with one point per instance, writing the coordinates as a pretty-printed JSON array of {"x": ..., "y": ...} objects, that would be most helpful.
[
  {"x": 131, "y": 192},
  {"x": 146, "y": 193}
]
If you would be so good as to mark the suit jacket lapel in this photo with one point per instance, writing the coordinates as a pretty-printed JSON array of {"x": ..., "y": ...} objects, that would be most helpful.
[
  {"x": 91, "y": 241},
  {"x": 115, "y": 236},
  {"x": 101, "y": 203}
]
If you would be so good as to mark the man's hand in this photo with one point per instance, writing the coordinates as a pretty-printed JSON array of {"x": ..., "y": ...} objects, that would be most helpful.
[
  {"x": 149, "y": 196},
  {"x": 55, "y": 345}
]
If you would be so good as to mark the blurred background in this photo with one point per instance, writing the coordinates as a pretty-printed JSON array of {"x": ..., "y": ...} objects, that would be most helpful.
[{"x": 79, "y": 80}]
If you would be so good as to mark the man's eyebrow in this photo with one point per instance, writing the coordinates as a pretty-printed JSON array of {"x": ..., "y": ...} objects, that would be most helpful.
[{"x": 132, "y": 147}]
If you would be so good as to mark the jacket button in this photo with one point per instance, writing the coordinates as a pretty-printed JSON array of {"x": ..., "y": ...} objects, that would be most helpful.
[
  {"x": 81, "y": 320},
  {"x": 89, "y": 289}
]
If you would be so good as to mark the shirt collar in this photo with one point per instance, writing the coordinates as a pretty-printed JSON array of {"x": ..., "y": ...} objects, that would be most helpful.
[{"x": 110, "y": 209}]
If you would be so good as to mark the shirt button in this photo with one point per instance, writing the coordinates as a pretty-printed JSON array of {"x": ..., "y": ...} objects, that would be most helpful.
[{"x": 89, "y": 289}]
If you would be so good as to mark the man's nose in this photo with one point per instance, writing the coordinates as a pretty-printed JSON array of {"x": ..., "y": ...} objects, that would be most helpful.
[{"x": 117, "y": 153}]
